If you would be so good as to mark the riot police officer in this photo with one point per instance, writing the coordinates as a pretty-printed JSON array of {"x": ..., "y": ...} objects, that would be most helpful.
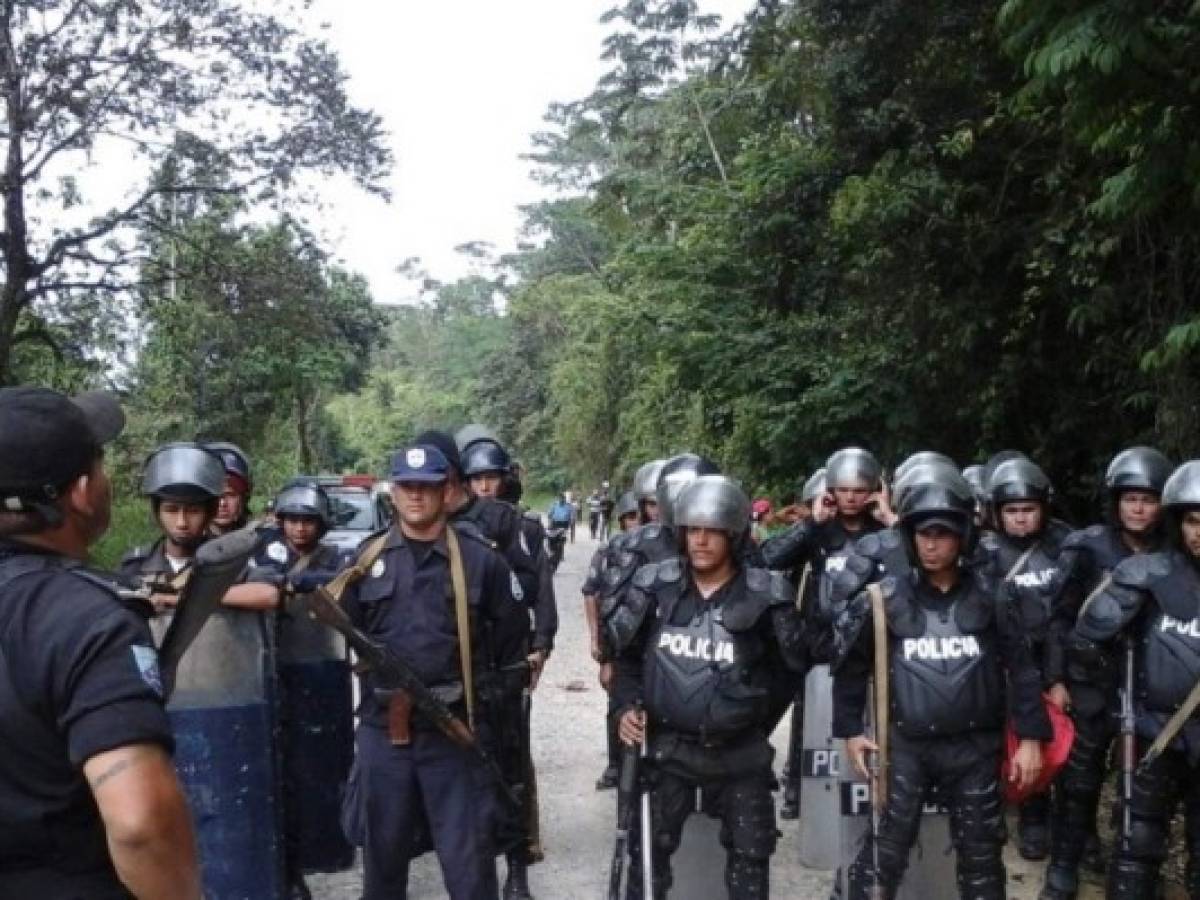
[
  {"x": 645, "y": 490},
  {"x": 1133, "y": 487},
  {"x": 1024, "y": 550},
  {"x": 628, "y": 515},
  {"x": 233, "y": 512},
  {"x": 183, "y": 482},
  {"x": 708, "y": 651},
  {"x": 488, "y": 470},
  {"x": 1151, "y": 602},
  {"x": 89, "y": 802},
  {"x": 315, "y": 702},
  {"x": 950, "y": 652},
  {"x": 431, "y": 781}
]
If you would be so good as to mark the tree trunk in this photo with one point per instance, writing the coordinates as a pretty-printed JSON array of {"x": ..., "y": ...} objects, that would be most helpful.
[
  {"x": 14, "y": 245},
  {"x": 305, "y": 446}
]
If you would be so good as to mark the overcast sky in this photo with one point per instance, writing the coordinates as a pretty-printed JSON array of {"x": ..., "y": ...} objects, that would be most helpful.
[{"x": 461, "y": 87}]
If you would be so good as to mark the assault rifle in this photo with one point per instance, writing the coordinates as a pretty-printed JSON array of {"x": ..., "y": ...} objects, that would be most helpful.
[
  {"x": 1128, "y": 742},
  {"x": 394, "y": 673}
]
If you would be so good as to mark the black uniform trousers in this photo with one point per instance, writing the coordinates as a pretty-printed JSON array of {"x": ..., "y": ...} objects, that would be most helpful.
[
  {"x": 1157, "y": 791},
  {"x": 965, "y": 772},
  {"x": 435, "y": 783},
  {"x": 738, "y": 775},
  {"x": 1077, "y": 790}
]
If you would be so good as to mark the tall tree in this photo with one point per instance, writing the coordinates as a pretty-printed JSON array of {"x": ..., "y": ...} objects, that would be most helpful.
[{"x": 137, "y": 80}]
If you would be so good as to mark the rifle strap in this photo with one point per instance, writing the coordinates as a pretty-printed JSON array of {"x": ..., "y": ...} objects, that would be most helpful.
[
  {"x": 1174, "y": 724},
  {"x": 1020, "y": 563},
  {"x": 880, "y": 683},
  {"x": 803, "y": 589},
  {"x": 1096, "y": 592},
  {"x": 357, "y": 569},
  {"x": 458, "y": 580}
]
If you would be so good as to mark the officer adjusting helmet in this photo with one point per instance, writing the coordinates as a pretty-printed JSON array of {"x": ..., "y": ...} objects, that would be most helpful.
[
  {"x": 919, "y": 458},
  {"x": 1137, "y": 469},
  {"x": 484, "y": 457},
  {"x": 814, "y": 488},
  {"x": 236, "y": 463},
  {"x": 1018, "y": 479},
  {"x": 853, "y": 467},
  {"x": 473, "y": 434},
  {"x": 305, "y": 501},
  {"x": 677, "y": 472},
  {"x": 713, "y": 501},
  {"x": 185, "y": 473},
  {"x": 627, "y": 505},
  {"x": 943, "y": 498}
]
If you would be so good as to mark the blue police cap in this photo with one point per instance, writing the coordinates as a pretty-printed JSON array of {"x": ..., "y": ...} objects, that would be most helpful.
[{"x": 420, "y": 463}]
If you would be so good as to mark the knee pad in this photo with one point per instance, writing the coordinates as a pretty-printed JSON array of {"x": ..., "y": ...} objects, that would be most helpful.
[
  {"x": 1147, "y": 840},
  {"x": 747, "y": 878},
  {"x": 748, "y": 828}
]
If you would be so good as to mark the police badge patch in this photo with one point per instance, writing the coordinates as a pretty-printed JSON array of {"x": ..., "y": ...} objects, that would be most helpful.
[
  {"x": 146, "y": 660},
  {"x": 378, "y": 568},
  {"x": 278, "y": 552}
]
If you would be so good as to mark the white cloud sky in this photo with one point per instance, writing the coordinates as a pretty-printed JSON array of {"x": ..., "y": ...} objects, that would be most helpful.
[{"x": 460, "y": 87}]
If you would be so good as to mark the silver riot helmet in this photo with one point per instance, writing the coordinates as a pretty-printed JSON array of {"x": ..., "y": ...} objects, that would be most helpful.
[
  {"x": 1183, "y": 487},
  {"x": 919, "y": 458},
  {"x": 1018, "y": 479},
  {"x": 713, "y": 501},
  {"x": 917, "y": 474},
  {"x": 853, "y": 467},
  {"x": 308, "y": 500},
  {"x": 974, "y": 476},
  {"x": 677, "y": 472},
  {"x": 473, "y": 434},
  {"x": 184, "y": 472},
  {"x": 645, "y": 480},
  {"x": 814, "y": 488},
  {"x": 627, "y": 505},
  {"x": 485, "y": 457},
  {"x": 234, "y": 459},
  {"x": 945, "y": 498},
  {"x": 1137, "y": 469}
]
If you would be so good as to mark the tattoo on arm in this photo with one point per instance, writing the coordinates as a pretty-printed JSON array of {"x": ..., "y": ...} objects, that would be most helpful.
[{"x": 112, "y": 771}]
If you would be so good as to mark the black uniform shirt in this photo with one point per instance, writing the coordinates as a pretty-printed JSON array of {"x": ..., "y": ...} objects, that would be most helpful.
[
  {"x": 78, "y": 677},
  {"x": 406, "y": 602}
]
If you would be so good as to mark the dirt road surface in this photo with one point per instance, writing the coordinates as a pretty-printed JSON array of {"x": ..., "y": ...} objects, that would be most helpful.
[{"x": 577, "y": 820}]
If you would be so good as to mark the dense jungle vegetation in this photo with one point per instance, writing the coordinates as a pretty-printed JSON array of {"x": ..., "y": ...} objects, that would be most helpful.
[{"x": 908, "y": 224}]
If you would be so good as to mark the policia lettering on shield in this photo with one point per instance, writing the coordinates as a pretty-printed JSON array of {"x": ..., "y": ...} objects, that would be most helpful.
[
  {"x": 89, "y": 802},
  {"x": 423, "y": 784}
]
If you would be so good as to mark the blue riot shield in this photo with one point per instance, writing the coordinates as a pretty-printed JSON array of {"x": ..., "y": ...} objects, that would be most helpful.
[
  {"x": 223, "y": 713},
  {"x": 317, "y": 717}
]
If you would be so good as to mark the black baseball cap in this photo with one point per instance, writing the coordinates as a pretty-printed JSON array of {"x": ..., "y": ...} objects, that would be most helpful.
[{"x": 48, "y": 439}]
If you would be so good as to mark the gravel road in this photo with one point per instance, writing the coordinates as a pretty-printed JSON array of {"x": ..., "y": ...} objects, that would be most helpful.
[{"x": 577, "y": 820}]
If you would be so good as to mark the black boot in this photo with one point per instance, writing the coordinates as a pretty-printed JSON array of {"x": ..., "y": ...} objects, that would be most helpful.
[
  {"x": 1128, "y": 880},
  {"x": 1093, "y": 855},
  {"x": 516, "y": 885},
  {"x": 1061, "y": 883}
]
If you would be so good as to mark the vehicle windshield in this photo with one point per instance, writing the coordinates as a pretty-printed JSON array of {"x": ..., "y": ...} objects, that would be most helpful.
[{"x": 352, "y": 511}]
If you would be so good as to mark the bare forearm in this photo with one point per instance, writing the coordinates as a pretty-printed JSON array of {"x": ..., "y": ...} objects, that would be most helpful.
[
  {"x": 161, "y": 867},
  {"x": 253, "y": 596},
  {"x": 592, "y": 614}
]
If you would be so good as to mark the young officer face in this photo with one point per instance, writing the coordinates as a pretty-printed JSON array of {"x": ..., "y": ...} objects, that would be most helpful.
[
  {"x": 487, "y": 484},
  {"x": 302, "y": 532},
  {"x": 419, "y": 504},
  {"x": 1138, "y": 511},
  {"x": 1190, "y": 526},
  {"x": 708, "y": 549},
  {"x": 650, "y": 510},
  {"x": 1021, "y": 518},
  {"x": 184, "y": 524},
  {"x": 628, "y": 522},
  {"x": 851, "y": 501},
  {"x": 937, "y": 548}
]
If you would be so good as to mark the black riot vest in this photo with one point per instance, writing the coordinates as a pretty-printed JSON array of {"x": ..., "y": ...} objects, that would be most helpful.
[
  {"x": 706, "y": 677},
  {"x": 1169, "y": 661},
  {"x": 1032, "y": 585},
  {"x": 946, "y": 673}
]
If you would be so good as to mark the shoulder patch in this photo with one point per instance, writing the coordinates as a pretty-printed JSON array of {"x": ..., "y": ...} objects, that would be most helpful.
[{"x": 277, "y": 551}]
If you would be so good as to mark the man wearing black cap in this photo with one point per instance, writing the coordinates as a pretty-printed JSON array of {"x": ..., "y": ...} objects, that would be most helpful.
[
  {"x": 89, "y": 802},
  {"x": 408, "y": 602}
]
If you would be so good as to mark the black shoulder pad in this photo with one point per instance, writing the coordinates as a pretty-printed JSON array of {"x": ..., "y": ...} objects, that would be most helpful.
[
  {"x": 889, "y": 539},
  {"x": 904, "y": 618},
  {"x": 670, "y": 570},
  {"x": 975, "y": 612},
  {"x": 869, "y": 545},
  {"x": 471, "y": 532},
  {"x": 1141, "y": 570},
  {"x": 758, "y": 579},
  {"x": 137, "y": 554},
  {"x": 646, "y": 577},
  {"x": 1082, "y": 537}
]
